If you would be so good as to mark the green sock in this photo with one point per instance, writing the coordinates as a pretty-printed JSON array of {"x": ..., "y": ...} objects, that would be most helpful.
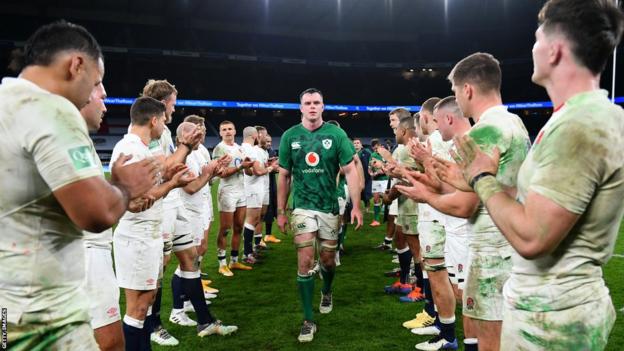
[
  {"x": 306, "y": 289},
  {"x": 328, "y": 278},
  {"x": 377, "y": 209}
]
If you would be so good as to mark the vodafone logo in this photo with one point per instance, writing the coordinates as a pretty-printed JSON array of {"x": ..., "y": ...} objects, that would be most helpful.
[{"x": 312, "y": 159}]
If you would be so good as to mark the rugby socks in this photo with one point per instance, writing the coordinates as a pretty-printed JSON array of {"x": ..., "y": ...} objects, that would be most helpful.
[
  {"x": 133, "y": 332},
  {"x": 429, "y": 303},
  {"x": 471, "y": 344},
  {"x": 176, "y": 290},
  {"x": 328, "y": 278},
  {"x": 257, "y": 239},
  {"x": 268, "y": 226},
  {"x": 192, "y": 287},
  {"x": 419, "y": 275},
  {"x": 376, "y": 211},
  {"x": 221, "y": 257},
  {"x": 405, "y": 260},
  {"x": 248, "y": 235},
  {"x": 306, "y": 291},
  {"x": 447, "y": 328},
  {"x": 154, "y": 320},
  {"x": 342, "y": 236},
  {"x": 234, "y": 256},
  {"x": 388, "y": 241}
]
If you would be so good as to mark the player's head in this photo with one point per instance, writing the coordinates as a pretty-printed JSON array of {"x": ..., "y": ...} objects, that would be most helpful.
[
  {"x": 417, "y": 127},
  {"x": 148, "y": 112},
  {"x": 94, "y": 111},
  {"x": 162, "y": 90},
  {"x": 405, "y": 130},
  {"x": 227, "y": 131},
  {"x": 198, "y": 121},
  {"x": 71, "y": 56},
  {"x": 250, "y": 134},
  {"x": 185, "y": 127},
  {"x": 262, "y": 134},
  {"x": 477, "y": 75},
  {"x": 375, "y": 144},
  {"x": 357, "y": 144},
  {"x": 582, "y": 33},
  {"x": 447, "y": 114},
  {"x": 311, "y": 105},
  {"x": 426, "y": 120},
  {"x": 268, "y": 140},
  {"x": 395, "y": 117}
]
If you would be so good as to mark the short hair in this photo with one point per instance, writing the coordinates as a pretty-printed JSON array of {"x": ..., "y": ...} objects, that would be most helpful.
[
  {"x": 159, "y": 89},
  {"x": 374, "y": 142},
  {"x": 226, "y": 122},
  {"x": 334, "y": 122},
  {"x": 184, "y": 127},
  {"x": 260, "y": 128},
  {"x": 416, "y": 117},
  {"x": 449, "y": 103},
  {"x": 407, "y": 122},
  {"x": 593, "y": 27},
  {"x": 195, "y": 119},
  {"x": 144, "y": 108},
  {"x": 49, "y": 40},
  {"x": 400, "y": 112},
  {"x": 358, "y": 139},
  {"x": 249, "y": 131},
  {"x": 479, "y": 69},
  {"x": 429, "y": 104},
  {"x": 310, "y": 91}
]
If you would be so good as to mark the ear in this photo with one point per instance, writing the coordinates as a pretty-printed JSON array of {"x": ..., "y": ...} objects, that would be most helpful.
[
  {"x": 449, "y": 119},
  {"x": 153, "y": 121},
  {"x": 555, "y": 52},
  {"x": 76, "y": 65},
  {"x": 468, "y": 91}
]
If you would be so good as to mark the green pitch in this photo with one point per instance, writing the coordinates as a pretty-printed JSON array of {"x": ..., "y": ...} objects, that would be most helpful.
[{"x": 265, "y": 305}]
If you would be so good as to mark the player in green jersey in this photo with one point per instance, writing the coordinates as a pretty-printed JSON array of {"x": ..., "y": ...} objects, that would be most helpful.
[{"x": 311, "y": 155}]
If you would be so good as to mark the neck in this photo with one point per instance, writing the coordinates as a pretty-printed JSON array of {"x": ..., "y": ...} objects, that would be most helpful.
[
  {"x": 484, "y": 103},
  {"x": 461, "y": 127},
  {"x": 229, "y": 142},
  {"x": 44, "y": 77},
  {"x": 248, "y": 141},
  {"x": 312, "y": 125},
  {"x": 142, "y": 132},
  {"x": 565, "y": 83}
]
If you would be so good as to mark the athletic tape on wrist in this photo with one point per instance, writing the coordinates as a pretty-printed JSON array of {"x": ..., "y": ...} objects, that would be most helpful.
[{"x": 486, "y": 187}]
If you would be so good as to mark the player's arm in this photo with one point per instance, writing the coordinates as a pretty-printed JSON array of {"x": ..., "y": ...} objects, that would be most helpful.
[
  {"x": 283, "y": 189},
  {"x": 353, "y": 184},
  {"x": 206, "y": 175},
  {"x": 258, "y": 169},
  {"x": 360, "y": 170}
]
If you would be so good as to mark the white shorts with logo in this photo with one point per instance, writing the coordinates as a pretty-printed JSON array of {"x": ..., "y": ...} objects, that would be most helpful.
[
  {"x": 266, "y": 198},
  {"x": 207, "y": 213},
  {"x": 379, "y": 186},
  {"x": 230, "y": 198},
  {"x": 432, "y": 239},
  {"x": 254, "y": 196},
  {"x": 196, "y": 222},
  {"x": 138, "y": 262},
  {"x": 456, "y": 258},
  {"x": 310, "y": 221},
  {"x": 101, "y": 287},
  {"x": 393, "y": 210}
]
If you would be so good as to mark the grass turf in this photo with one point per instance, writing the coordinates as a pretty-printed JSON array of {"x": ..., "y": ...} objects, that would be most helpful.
[{"x": 265, "y": 305}]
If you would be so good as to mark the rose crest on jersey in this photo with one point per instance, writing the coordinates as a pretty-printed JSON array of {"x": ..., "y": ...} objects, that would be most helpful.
[{"x": 312, "y": 159}]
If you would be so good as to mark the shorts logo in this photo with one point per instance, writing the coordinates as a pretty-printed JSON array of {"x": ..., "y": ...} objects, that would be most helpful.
[
  {"x": 428, "y": 248},
  {"x": 150, "y": 281},
  {"x": 295, "y": 145},
  {"x": 312, "y": 159},
  {"x": 112, "y": 312},
  {"x": 460, "y": 267},
  {"x": 301, "y": 226},
  {"x": 81, "y": 157},
  {"x": 327, "y": 144},
  {"x": 470, "y": 303}
]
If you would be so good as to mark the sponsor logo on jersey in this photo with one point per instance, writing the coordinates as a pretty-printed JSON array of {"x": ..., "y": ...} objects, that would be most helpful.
[
  {"x": 81, "y": 157},
  {"x": 312, "y": 159},
  {"x": 327, "y": 144},
  {"x": 295, "y": 145}
]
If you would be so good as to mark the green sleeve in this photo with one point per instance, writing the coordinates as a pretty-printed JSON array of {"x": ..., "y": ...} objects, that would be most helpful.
[
  {"x": 345, "y": 149},
  {"x": 285, "y": 161}
]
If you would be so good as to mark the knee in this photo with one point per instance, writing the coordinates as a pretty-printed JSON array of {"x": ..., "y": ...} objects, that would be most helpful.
[{"x": 112, "y": 343}]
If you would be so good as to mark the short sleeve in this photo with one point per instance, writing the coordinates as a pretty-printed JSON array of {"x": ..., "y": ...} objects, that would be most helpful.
[
  {"x": 217, "y": 152},
  {"x": 56, "y": 136},
  {"x": 566, "y": 166},
  {"x": 345, "y": 149},
  {"x": 285, "y": 160}
]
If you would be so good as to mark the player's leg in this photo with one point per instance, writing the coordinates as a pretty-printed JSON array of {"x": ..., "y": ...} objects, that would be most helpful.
[
  {"x": 252, "y": 218},
  {"x": 237, "y": 228},
  {"x": 225, "y": 225}
]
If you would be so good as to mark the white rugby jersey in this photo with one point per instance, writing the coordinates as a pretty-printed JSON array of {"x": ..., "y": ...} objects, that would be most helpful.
[
  {"x": 252, "y": 182},
  {"x": 235, "y": 181},
  {"x": 194, "y": 202},
  {"x": 172, "y": 200}
]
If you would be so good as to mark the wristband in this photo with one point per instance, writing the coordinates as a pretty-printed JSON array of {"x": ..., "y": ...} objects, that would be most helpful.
[
  {"x": 476, "y": 178},
  {"x": 486, "y": 187}
]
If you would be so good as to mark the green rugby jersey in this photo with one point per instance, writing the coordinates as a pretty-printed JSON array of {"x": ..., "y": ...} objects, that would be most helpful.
[
  {"x": 375, "y": 169},
  {"x": 314, "y": 159},
  {"x": 340, "y": 190}
]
